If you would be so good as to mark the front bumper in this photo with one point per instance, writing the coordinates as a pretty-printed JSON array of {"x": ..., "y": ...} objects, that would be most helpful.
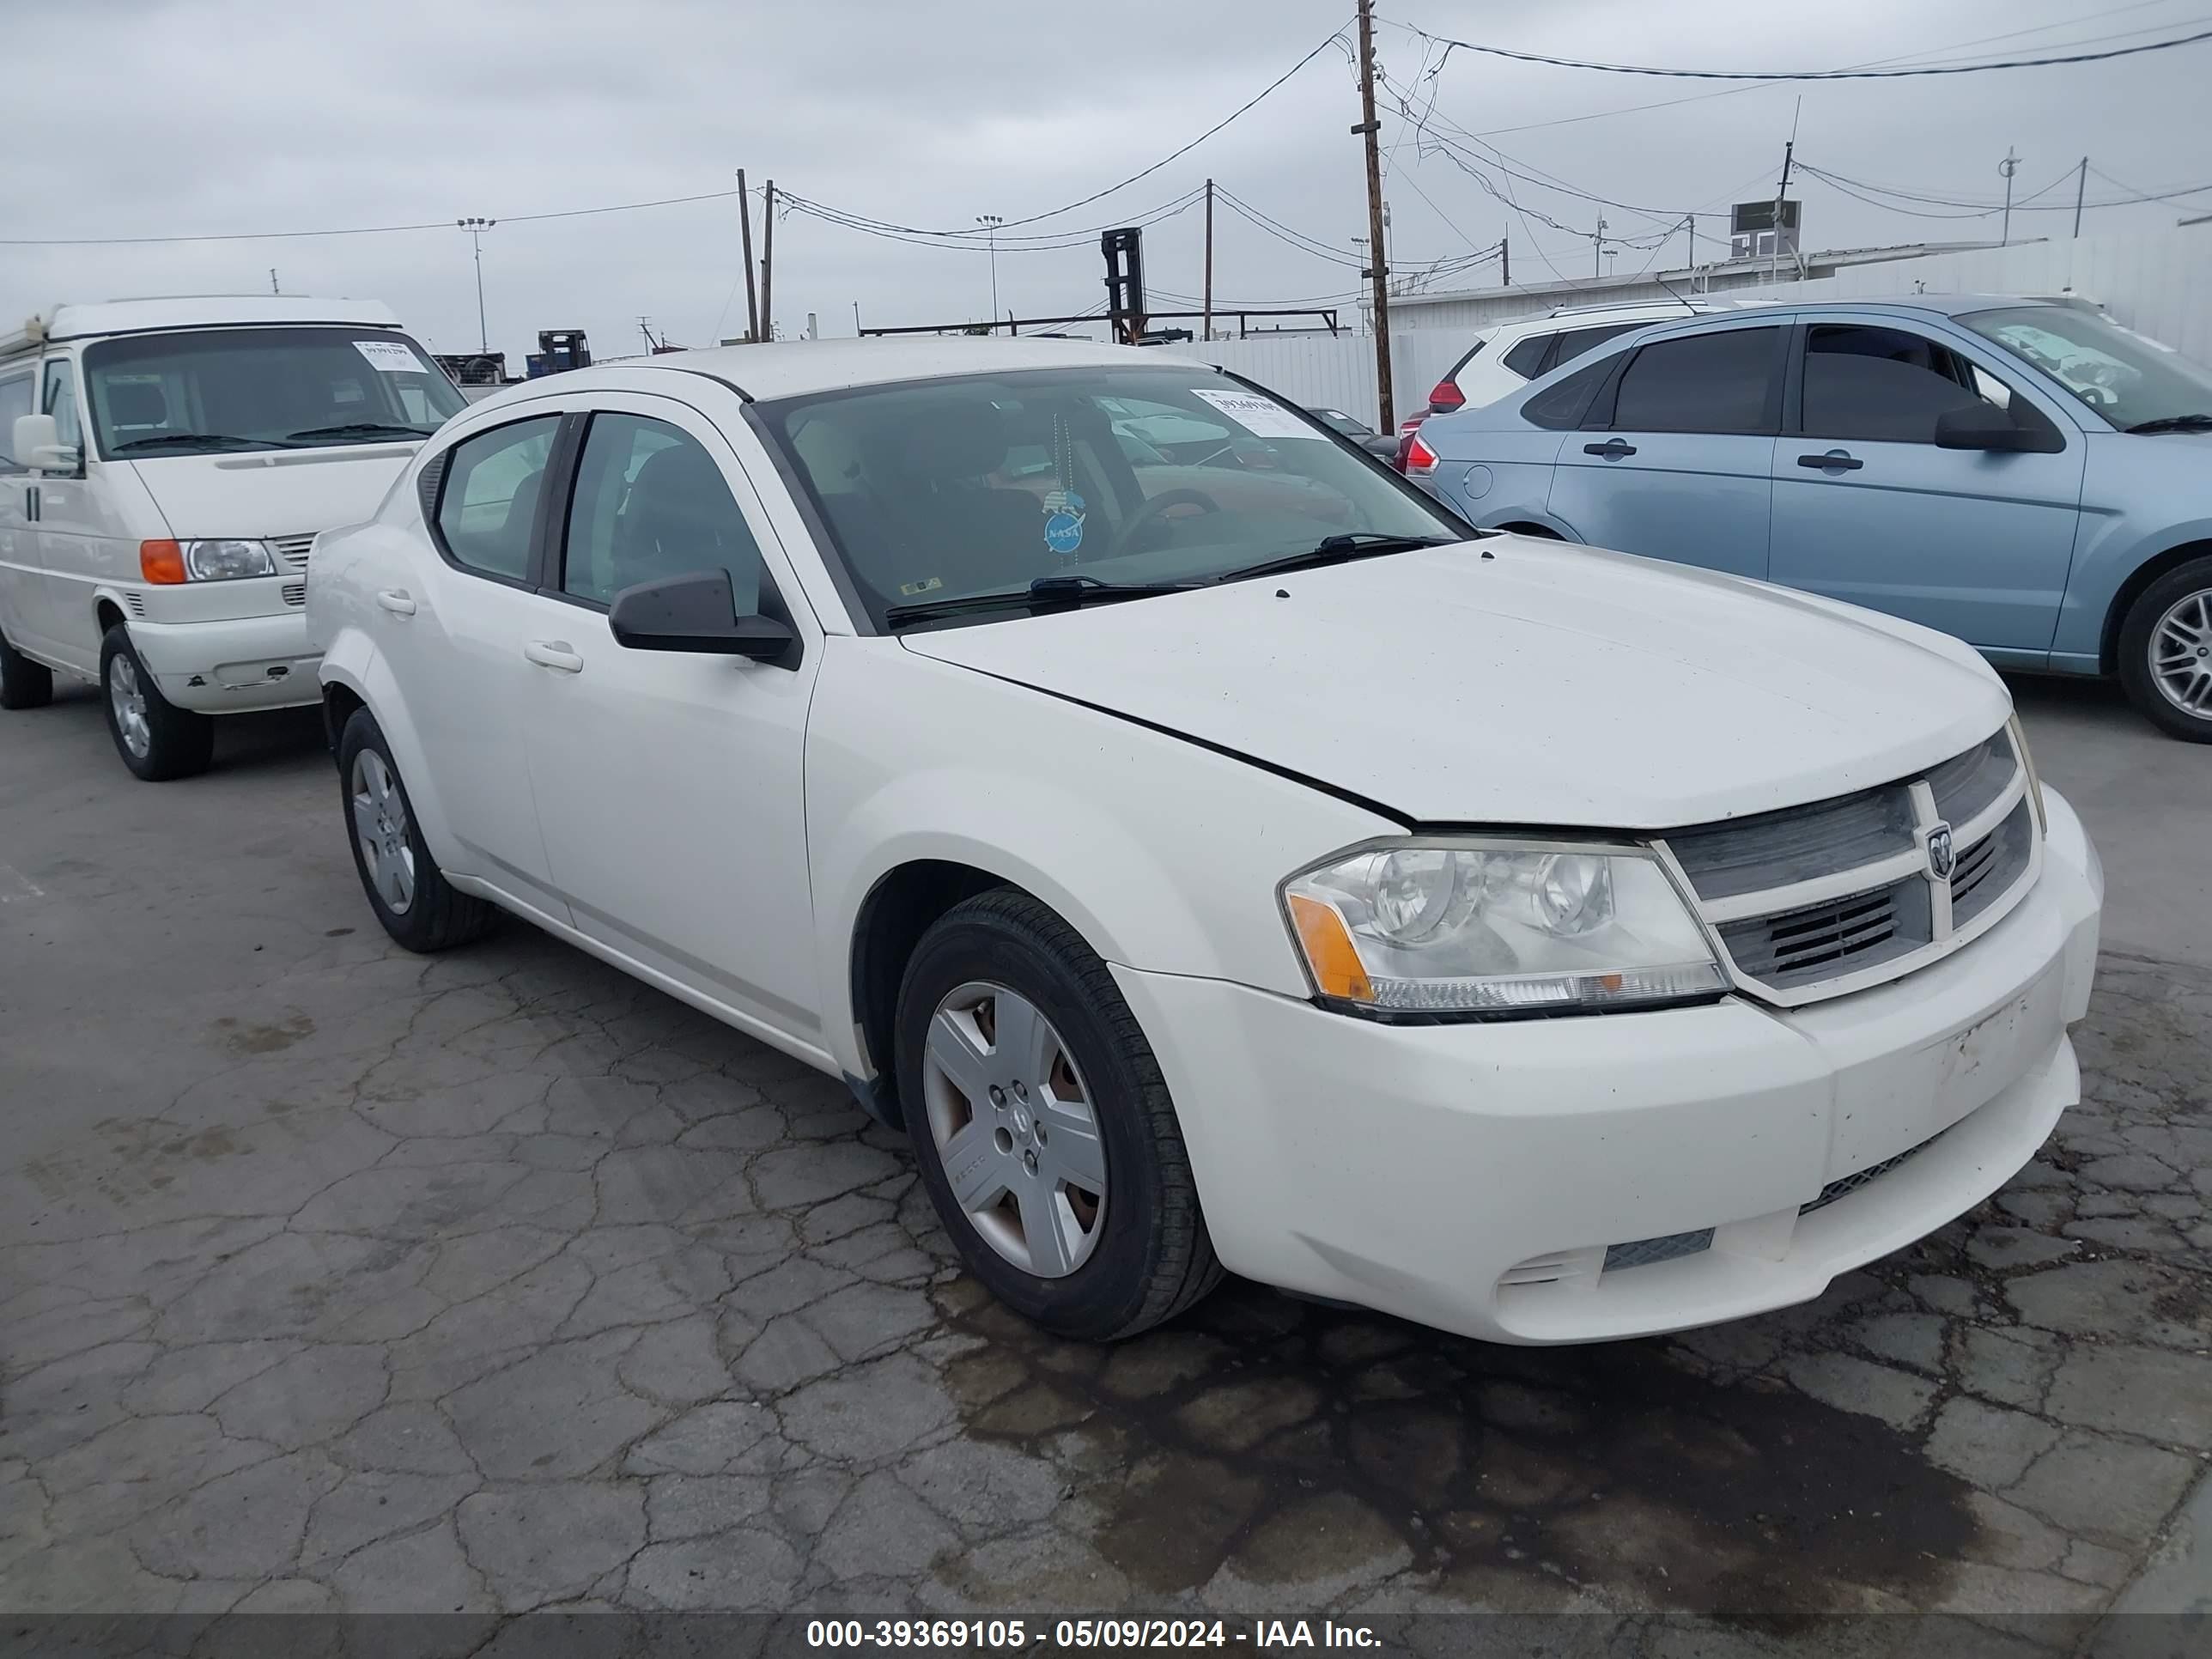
[
  {"x": 1475, "y": 1176},
  {"x": 228, "y": 665}
]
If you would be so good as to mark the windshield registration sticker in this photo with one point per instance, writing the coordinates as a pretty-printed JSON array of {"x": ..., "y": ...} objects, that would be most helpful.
[
  {"x": 1263, "y": 418},
  {"x": 389, "y": 357}
]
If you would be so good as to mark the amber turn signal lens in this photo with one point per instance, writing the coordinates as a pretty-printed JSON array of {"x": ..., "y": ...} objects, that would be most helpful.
[
  {"x": 1330, "y": 950},
  {"x": 162, "y": 562}
]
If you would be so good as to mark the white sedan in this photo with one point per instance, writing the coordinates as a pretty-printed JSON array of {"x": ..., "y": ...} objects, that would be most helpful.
[{"x": 1227, "y": 861}]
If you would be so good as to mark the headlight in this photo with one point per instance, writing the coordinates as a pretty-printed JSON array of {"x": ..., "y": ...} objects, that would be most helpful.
[
  {"x": 1463, "y": 926},
  {"x": 223, "y": 562}
]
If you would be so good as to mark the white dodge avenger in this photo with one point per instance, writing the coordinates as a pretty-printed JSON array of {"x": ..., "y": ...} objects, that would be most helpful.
[{"x": 1211, "y": 853}]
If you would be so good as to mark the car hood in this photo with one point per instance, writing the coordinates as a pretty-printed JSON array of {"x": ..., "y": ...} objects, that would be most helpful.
[
  {"x": 1545, "y": 684},
  {"x": 277, "y": 492}
]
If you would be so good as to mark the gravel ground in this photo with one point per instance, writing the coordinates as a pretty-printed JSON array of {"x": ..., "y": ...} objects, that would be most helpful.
[{"x": 335, "y": 1278}]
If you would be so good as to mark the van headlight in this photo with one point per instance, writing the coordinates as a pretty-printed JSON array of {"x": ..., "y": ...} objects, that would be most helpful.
[
  {"x": 226, "y": 560},
  {"x": 1463, "y": 926}
]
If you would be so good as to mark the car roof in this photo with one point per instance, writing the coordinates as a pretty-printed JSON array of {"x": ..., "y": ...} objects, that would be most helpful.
[
  {"x": 105, "y": 317},
  {"x": 802, "y": 367}
]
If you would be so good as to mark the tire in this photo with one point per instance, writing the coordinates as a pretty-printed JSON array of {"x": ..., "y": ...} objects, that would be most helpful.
[
  {"x": 23, "y": 684},
  {"x": 412, "y": 897},
  {"x": 2170, "y": 625},
  {"x": 1145, "y": 1255},
  {"x": 158, "y": 740}
]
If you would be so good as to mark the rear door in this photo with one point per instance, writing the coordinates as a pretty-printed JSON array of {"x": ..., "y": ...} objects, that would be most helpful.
[
  {"x": 1675, "y": 459},
  {"x": 1868, "y": 509}
]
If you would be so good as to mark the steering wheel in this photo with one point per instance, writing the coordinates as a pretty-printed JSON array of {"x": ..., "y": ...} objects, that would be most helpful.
[{"x": 1156, "y": 509}]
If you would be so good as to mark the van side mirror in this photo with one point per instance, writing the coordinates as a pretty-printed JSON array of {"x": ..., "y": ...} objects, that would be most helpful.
[
  {"x": 36, "y": 443},
  {"x": 695, "y": 613},
  {"x": 1983, "y": 426}
]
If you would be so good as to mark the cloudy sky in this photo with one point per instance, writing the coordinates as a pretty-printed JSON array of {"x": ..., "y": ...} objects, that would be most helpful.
[{"x": 177, "y": 117}]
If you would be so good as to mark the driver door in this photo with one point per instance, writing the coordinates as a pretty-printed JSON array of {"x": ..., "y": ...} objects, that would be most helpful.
[{"x": 671, "y": 787}]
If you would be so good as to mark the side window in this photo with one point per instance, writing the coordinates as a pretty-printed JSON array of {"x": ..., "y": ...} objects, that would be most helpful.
[
  {"x": 1525, "y": 358},
  {"x": 488, "y": 505},
  {"x": 60, "y": 402},
  {"x": 651, "y": 503},
  {"x": 1577, "y": 341},
  {"x": 1715, "y": 382},
  {"x": 1563, "y": 406},
  {"x": 14, "y": 399},
  {"x": 1884, "y": 384}
]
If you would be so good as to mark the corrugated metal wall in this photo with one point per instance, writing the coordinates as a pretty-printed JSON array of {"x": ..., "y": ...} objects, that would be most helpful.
[{"x": 1321, "y": 371}]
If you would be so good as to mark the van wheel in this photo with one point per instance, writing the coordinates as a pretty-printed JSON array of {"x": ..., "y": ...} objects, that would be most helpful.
[
  {"x": 408, "y": 892},
  {"x": 2165, "y": 652},
  {"x": 23, "y": 684},
  {"x": 158, "y": 740},
  {"x": 1044, "y": 1130}
]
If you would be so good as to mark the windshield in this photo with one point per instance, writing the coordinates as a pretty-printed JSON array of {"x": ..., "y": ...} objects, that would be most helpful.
[
  {"x": 934, "y": 489},
  {"x": 220, "y": 390},
  {"x": 2124, "y": 376}
]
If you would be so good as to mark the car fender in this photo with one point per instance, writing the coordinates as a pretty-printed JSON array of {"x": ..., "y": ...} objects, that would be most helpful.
[
  {"x": 351, "y": 660},
  {"x": 2110, "y": 553}
]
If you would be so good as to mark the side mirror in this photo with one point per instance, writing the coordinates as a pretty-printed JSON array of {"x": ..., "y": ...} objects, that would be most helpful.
[
  {"x": 697, "y": 613},
  {"x": 1981, "y": 426},
  {"x": 36, "y": 443}
]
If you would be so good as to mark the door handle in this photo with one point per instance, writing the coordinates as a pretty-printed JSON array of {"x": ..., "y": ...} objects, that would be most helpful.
[
  {"x": 397, "y": 601},
  {"x": 554, "y": 654},
  {"x": 1613, "y": 449},
  {"x": 1841, "y": 460}
]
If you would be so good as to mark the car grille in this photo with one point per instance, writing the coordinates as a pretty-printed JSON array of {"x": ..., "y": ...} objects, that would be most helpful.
[
  {"x": 1850, "y": 1183},
  {"x": 292, "y": 550},
  {"x": 1818, "y": 900}
]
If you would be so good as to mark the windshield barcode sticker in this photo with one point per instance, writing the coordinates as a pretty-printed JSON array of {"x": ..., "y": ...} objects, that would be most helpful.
[
  {"x": 1263, "y": 418},
  {"x": 389, "y": 357}
]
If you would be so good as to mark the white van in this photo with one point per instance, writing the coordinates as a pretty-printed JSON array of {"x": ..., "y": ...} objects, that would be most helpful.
[{"x": 165, "y": 466}]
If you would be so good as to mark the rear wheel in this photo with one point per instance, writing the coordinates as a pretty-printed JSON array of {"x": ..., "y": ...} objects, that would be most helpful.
[
  {"x": 410, "y": 894},
  {"x": 1044, "y": 1130},
  {"x": 23, "y": 684},
  {"x": 2165, "y": 652},
  {"x": 158, "y": 740}
]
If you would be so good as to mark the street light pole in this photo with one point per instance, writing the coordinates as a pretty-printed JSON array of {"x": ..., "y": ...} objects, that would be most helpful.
[
  {"x": 476, "y": 228},
  {"x": 991, "y": 222}
]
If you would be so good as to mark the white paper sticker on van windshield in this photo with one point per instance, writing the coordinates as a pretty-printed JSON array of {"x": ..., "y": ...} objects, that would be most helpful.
[
  {"x": 389, "y": 357},
  {"x": 1263, "y": 418}
]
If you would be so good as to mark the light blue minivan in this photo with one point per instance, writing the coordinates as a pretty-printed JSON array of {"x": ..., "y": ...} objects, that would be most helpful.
[{"x": 2025, "y": 474}]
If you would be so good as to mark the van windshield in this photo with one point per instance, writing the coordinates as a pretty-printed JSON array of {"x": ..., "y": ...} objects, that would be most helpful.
[{"x": 222, "y": 390}]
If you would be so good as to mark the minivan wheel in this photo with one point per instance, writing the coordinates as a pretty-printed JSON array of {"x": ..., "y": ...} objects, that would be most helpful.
[
  {"x": 23, "y": 684},
  {"x": 2165, "y": 652},
  {"x": 1044, "y": 1130},
  {"x": 408, "y": 892},
  {"x": 158, "y": 740}
]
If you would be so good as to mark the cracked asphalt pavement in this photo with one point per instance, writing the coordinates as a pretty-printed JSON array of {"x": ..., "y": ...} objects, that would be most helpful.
[{"x": 333, "y": 1278}]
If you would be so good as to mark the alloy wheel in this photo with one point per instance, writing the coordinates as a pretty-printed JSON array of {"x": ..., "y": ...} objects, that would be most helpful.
[
  {"x": 2181, "y": 655},
  {"x": 1015, "y": 1129},
  {"x": 380, "y": 822},
  {"x": 127, "y": 697}
]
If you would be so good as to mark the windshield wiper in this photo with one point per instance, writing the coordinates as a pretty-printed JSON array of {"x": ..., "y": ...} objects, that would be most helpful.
[
  {"x": 1044, "y": 593},
  {"x": 366, "y": 429},
  {"x": 1338, "y": 550},
  {"x": 2174, "y": 423},
  {"x": 200, "y": 440}
]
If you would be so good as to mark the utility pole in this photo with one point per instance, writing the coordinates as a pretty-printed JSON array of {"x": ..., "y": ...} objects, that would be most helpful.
[
  {"x": 1689, "y": 224},
  {"x": 768, "y": 262},
  {"x": 1597, "y": 249},
  {"x": 1505, "y": 261},
  {"x": 1205, "y": 328},
  {"x": 745, "y": 219},
  {"x": 1781, "y": 191},
  {"x": 476, "y": 228},
  {"x": 1378, "y": 268},
  {"x": 273, "y": 288},
  {"x": 2081, "y": 189},
  {"x": 856, "y": 319},
  {"x": 991, "y": 222},
  {"x": 2009, "y": 166}
]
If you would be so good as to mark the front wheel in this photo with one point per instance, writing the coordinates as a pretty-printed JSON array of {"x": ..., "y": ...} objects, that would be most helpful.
[
  {"x": 410, "y": 894},
  {"x": 1044, "y": 1130},
  {"x": 2165, "y": 652},
  {"x": 158, "y": 740}
]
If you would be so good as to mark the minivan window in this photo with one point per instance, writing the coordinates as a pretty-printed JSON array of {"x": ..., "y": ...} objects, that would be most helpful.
[
  {"x": 1577, "y": 341},
  {"x": 651, "y": 503},
  {"x": 14, "y": 399},
  {"x": 216, "y": 390},
  {"x": 1526, "y": 358},
  {"x": 487, "y": 502},
  {"x": 2129, "y": 379},
  {"x": 1714, "y": 382},
  {"x": 943, "y": 489}
]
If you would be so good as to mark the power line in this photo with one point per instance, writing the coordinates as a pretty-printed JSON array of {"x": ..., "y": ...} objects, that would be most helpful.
[{"x": 1451, "y": 45}]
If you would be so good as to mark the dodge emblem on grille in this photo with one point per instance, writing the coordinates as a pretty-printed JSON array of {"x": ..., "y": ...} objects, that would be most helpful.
[{"x": 1940, "y": 858}]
